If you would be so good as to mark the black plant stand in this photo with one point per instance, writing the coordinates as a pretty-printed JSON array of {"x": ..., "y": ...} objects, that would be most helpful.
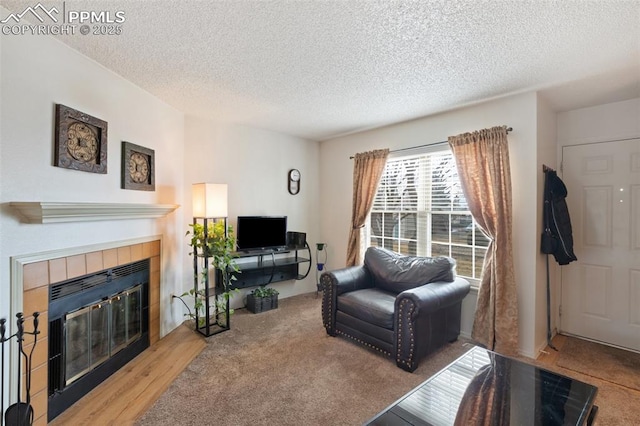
[
  {"x": 20, "y": 413},
  {"x": 209, "y": 325}
]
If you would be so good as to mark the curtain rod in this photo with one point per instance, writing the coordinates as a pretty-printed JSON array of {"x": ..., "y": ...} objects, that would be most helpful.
[{"x": 509, "y": 129}]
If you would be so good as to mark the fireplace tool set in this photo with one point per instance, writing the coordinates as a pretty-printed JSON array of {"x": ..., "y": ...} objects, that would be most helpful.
[{"x": 20, "y": 413}]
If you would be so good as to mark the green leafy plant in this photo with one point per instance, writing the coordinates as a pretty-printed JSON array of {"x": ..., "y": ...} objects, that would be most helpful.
[
  {"x": 264, "y": 292},
  {"x": 221, "y": 308},
  {"x": 218, "y": 246},
  {"x": 262, "y": 299},
  {"x": 198, "y": 305}
]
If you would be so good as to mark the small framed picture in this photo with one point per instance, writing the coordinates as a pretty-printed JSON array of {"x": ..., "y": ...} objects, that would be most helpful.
[
  {"x": 138, "y": 167},
  {"x": 81, "y": 141}
]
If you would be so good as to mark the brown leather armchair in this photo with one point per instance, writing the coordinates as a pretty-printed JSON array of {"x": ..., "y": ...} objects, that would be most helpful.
[{"x": 405, "y": 307}]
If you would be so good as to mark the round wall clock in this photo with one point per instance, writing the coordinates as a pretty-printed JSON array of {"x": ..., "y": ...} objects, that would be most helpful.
[{"x": 293, "y": 183}]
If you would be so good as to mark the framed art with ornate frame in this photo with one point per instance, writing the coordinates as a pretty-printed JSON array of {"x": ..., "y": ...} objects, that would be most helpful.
[
  {"x": 81, "y": 141},
  {"x": 138, "y": 167}
]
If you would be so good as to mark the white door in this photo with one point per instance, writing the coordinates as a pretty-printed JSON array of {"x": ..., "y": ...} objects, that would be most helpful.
[{"x": 601, "y": 290}]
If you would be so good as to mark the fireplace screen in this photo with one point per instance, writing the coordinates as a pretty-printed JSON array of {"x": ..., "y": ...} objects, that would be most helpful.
[{"x": 96, "y": 332}]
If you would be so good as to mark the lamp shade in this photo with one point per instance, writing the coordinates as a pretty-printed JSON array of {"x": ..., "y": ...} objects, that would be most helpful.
[{"x": 209, "y": 199}]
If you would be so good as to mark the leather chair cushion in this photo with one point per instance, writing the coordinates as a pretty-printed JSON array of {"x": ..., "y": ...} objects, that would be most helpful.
[
  {"x": 371, "y": 305},
  {"x": 396, "y": 273}
]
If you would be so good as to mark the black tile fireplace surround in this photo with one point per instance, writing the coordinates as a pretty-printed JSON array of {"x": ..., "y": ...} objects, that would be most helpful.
[{"x": 113, "y": 302}]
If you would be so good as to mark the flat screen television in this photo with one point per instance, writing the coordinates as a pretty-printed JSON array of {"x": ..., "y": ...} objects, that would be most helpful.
[{"x": 261, "y": 232}]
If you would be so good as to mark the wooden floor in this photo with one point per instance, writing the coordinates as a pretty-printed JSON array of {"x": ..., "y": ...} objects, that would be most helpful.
[
  {"x": 129, "y": 393},
  {"x": 549, "y": 356}
]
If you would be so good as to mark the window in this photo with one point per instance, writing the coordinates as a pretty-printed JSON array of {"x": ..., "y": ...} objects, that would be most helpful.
[{"x": 419, "y": 210}]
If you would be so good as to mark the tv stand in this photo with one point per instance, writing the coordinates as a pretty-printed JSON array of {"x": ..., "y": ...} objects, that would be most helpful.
[{"x": 262, "y": 267}]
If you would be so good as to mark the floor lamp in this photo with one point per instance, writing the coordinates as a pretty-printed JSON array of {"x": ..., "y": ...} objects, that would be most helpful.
[{"x": 209, "y": 208}]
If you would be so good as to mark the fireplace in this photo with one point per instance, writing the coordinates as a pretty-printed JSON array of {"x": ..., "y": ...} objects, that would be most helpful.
[
  {"x": 97, "y": 323},
  {"x": 33, "y": 274}
]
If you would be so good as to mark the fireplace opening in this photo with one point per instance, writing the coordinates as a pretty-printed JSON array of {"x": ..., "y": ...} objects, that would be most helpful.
[{"x": 97, "y": 323}]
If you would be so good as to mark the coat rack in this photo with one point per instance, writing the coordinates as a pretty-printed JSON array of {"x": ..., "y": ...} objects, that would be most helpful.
[{"x": 545, "y": 170}]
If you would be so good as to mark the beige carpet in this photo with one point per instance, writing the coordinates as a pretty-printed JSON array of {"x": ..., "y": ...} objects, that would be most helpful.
[
  {"x": 280, "y": 368},
  {"x": 601, "y": 361}
]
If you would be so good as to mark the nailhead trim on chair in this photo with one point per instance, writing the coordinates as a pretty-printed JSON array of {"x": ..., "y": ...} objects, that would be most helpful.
[
  {"x": 362, "y": 342},
  {"x": 405, "y": 312},
  {"x": 327, "y": 299},
  {"x": 327, "y": 313}
]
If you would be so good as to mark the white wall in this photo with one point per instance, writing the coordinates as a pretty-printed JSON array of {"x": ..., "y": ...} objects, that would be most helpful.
[
  {"x": 519, "y": 112},
  {"x": 39, "y": 72},
  {"x": 254, "y": 164},
  {"x": 602, "y": 123}
]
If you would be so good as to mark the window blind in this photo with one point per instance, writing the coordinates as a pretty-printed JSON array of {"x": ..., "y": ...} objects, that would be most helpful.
[{"x": 420, "y": 210}]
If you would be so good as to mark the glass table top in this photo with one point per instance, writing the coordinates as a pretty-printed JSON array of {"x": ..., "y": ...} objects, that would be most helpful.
[{"x": 482, "y": 387}]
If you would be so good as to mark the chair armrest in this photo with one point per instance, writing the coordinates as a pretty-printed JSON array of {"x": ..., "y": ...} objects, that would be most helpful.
[
  {"x": 335, "y": 283},
  {"x": 424, "y": 319},
  {"x": 434, "y": 296}
]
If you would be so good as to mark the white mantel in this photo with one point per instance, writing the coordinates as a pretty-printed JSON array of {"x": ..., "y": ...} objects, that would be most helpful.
[{"x": 55, "y": 212}]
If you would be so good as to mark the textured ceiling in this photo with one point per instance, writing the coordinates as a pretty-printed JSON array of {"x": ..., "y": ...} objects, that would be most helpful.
[{"x": 318, "y": 69}]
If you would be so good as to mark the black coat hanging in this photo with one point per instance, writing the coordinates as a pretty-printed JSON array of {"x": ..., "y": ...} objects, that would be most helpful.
[{"x": 557, "y": 237}]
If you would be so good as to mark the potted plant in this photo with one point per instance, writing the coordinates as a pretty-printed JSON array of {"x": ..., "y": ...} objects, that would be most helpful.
[
  {"x": 262, "y": 299},
  {"x": 218, "y": 248}
]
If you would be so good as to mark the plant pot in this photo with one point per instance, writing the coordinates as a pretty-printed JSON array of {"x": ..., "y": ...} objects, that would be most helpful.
[{"x": 261, "y": 304}]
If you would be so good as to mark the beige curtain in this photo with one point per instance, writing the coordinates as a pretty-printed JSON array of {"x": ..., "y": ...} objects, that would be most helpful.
[
  {"x": 367, "y": 170},
  {"x": 482, "y": 159}
]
